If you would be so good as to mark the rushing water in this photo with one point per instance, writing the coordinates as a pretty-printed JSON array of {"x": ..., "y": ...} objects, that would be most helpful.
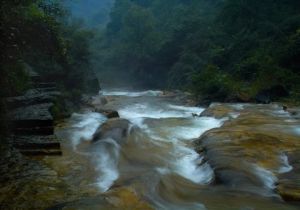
[{"x": 158, "y": 158}]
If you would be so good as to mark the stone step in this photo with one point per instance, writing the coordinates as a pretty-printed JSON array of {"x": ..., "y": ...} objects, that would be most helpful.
[
  {"x": 32, "y": 120},
  {"x": 28, "y": 124},
  {"x": 37, "y": 112},
  {"x": 37, "y": 145},
  {"x": 36, "y": 142},
  {"x": 41, "y": 152},
  {"x": 28, "y": 100},
  {"x": 49, "y": 130}
]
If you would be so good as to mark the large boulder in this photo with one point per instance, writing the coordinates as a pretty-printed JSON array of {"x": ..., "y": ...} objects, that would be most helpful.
[{"x": 116, "y": 129}]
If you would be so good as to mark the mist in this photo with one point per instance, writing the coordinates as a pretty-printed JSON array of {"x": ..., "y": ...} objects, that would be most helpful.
[{"x": 94, "y": 13}]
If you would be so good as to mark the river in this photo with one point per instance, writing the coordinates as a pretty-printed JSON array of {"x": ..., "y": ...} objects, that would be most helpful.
[{"x": 158, "y": 161}]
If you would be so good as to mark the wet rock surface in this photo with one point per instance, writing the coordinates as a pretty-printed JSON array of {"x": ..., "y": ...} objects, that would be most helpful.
[
  {"x": 117, "y": 199},
  {"x": 108, "y": 113},
  {"x": 256, "y": 150},
  {"x": 28, "y": 184},
  {"x": 116, "y": 129}
]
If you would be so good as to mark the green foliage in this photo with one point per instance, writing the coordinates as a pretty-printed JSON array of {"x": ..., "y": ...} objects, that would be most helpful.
[
  {"x": 213, "y": 84},
  {"x": 39, "y": 34},
  {"x": 216, "y": 48},
  {"x": 17, "y": 79}
]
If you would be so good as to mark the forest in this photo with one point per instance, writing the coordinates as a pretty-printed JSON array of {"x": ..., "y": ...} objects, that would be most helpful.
[
  {"x": 220, "y": 50},
  {"x": 228, "y": 50}
]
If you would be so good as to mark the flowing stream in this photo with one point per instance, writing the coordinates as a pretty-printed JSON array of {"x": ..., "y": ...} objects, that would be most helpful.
[{"x": 158, "y": 158}]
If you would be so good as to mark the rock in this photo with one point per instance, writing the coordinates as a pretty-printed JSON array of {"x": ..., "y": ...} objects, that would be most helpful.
[
  {"x": 238, "y": 98},
  {"x": 34, "y": 119},
  {"x": 108, "y": 113},
  {"x": 273, "y": 93},
  {"x": 37, "y": 145},
  {"x": 289, "y": 183},
  {"x": 247, "y": 149},
  {"x": 116, "y": 129},
  {"x": 99, "y": 101},
  {"x": 27, "y": 100},
  {"x": 41, "y": 152},
  {"x": 195, "y": 115},
  {"x": 204, "y": 102},
  {"x": 51, "y": 91},
  {"x": 116, "y": 199},
  {"x": 263, "y": 98},
  {"x": 27, "y": 182},
  {"x": 39, "y": 112},
  {"x": 112, "y": 114},
  {"x": 217, "y": 110},
  {"x": 294, "y": 112},
  {"x": 93, "y": 85},
  {"x": 103, "y": 100}
]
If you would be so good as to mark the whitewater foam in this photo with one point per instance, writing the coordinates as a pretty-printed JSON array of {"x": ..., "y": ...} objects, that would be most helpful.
[
  {"x": 108, "y": 153},
  {"x": 195, "y": 129},
  {"x": 286, "y": 167},
  {"x": 132, "y": 93},
  {"x": 267, "y": 177},
  {"x": 297, "y": 130},
  {"x": 185, "y": 162},
  {"x": 190, "y": 166},
  {"x": 145, "y": 110},
  {"x": 85, "y": 126}
]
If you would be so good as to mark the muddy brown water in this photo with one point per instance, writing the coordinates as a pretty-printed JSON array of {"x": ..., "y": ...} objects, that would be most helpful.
[{"x": 158, "y": 162}]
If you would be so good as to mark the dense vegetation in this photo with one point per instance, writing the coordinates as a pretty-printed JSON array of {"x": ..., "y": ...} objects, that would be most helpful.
[
  {"x": 223, "y": 50},
  {"x": 38, "y": 35}
]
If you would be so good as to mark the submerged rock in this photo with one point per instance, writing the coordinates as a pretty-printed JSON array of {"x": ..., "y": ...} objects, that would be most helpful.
[
  {"x": 95, "y": 101},
  {"x": 108, "y": 113},
  {"x": 117, "y": 199},
  {"x": 216, "y": 111},
  {"x": 289, "y": 182},
  {"x": 221, "y": 110},
  {"x": 116, "y": 129}
]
